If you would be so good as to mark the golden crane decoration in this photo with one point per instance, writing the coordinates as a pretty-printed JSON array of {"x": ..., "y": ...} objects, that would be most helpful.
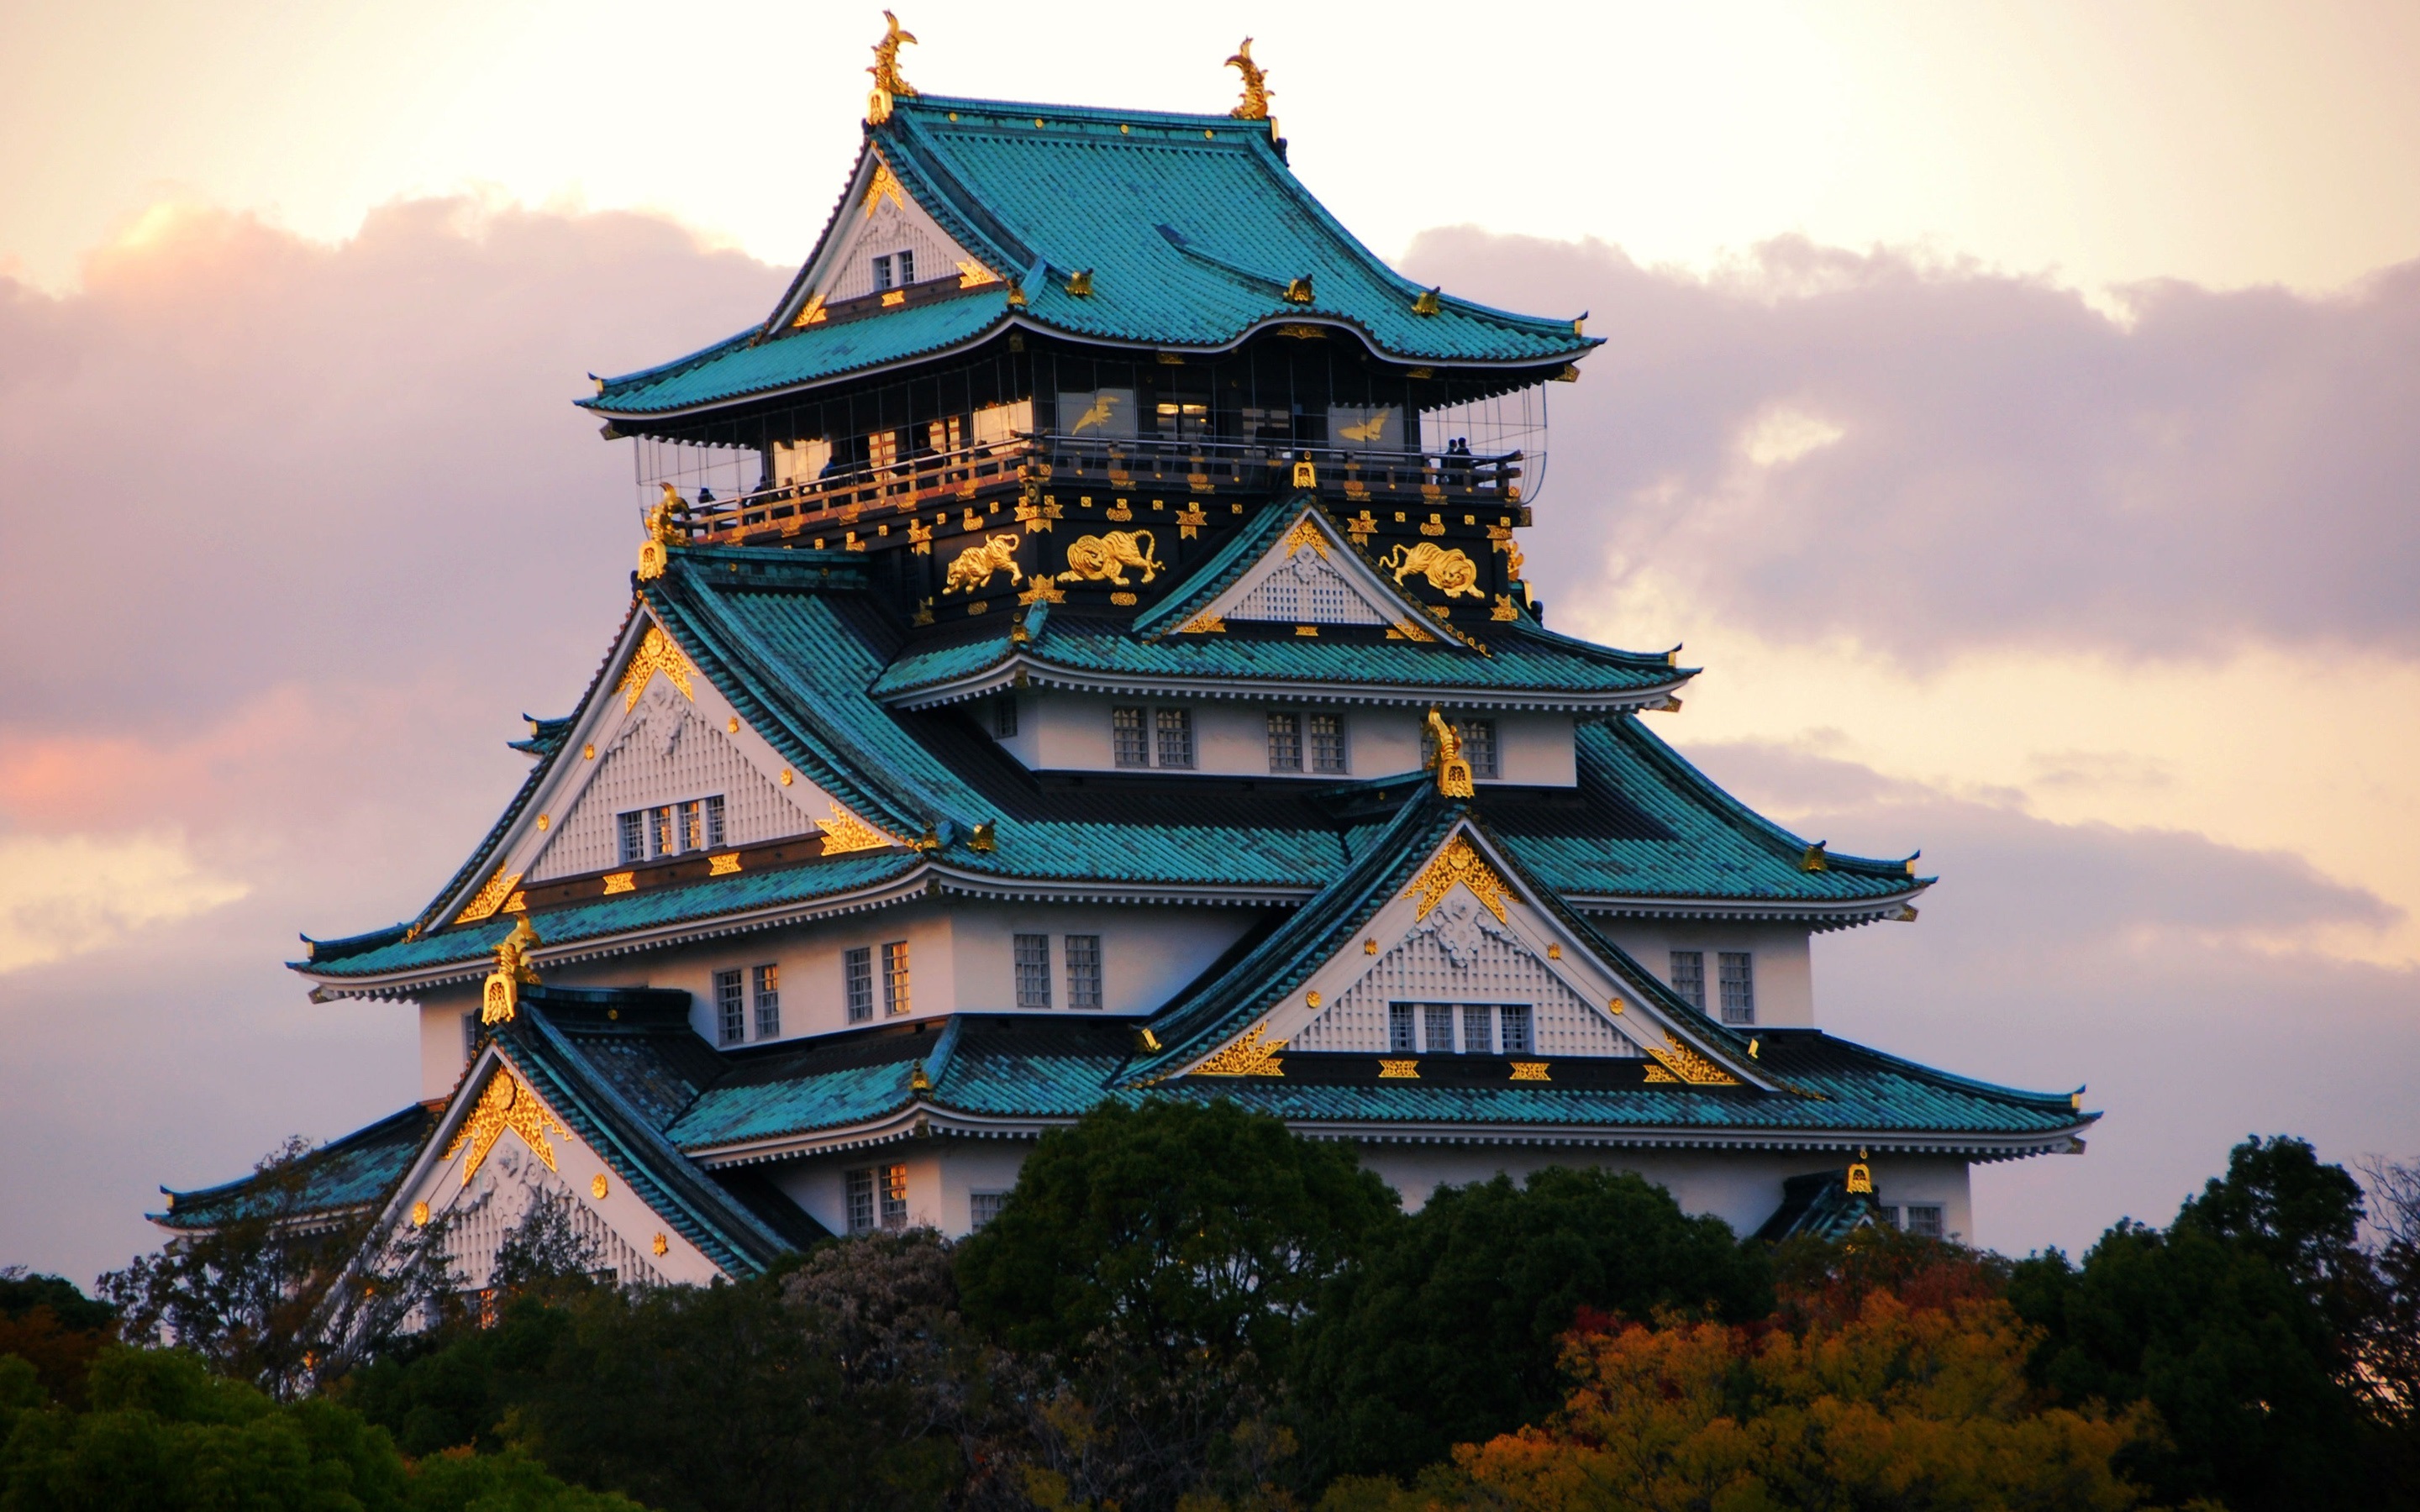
[
  {"x": 1256, "y": 86},
  {"x": 887, "y": 85}
]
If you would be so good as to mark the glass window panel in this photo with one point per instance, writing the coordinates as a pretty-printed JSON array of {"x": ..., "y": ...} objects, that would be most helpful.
[
  {"x": 1689, "y": 976},
  {"x": 982, "y": 1207},
  {"x": 1285, "y": 744},
  {"x": 1739, "y": 987},
  {"x": 714, "y": 823},
  {"x": 1328, "y": 744},
  {"x": 1032, "y": 970},
  {"x": 1176, "y": 729},
  {"x": 1436, "y": 1028},
  {"x": 1132, "y": 746},
  {"x": 1516, "y": 1031},
  {"x": 1356, "y": 427},
  {"x": 1399, "y": 1028},
  {"x": 894, "y": 1196},
  {"x": 730, "y": 1007},
  {"x": 1924, "y": 1221},
  {"x": 1478, "y": 1030},
  {"x": 860, "y": 1202},
  {"x": 857, "y": 982},
  {"x": 1083, "y": 971},
  {"x": 894, "y": 977},
  {"x": 768, "y": 1001},
  {"x": 634, "y": 837},
  {"x": 1103, "y": 414}
]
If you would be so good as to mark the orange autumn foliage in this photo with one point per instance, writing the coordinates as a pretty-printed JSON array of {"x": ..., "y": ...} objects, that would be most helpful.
[{"x": 1892, "y": 1406}]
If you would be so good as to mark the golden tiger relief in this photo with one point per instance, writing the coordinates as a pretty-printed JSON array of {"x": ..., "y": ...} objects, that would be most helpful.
[
  {"x": 972, "y": 568},
  {"x": 1106, "y": 558},
  {"x": 1449, "y": 570}
]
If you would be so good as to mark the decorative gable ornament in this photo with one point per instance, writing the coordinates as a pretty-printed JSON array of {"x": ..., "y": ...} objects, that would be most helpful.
[
  {"x": 505, "y": 1106},
  {"x": 501, "y": 995},
  {"x": 1454, "y": 780}
]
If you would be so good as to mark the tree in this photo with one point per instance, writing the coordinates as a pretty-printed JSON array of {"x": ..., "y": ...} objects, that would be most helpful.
[
  {"x": 1174, "y": 1228},
  {"x": 279, "y": 1294},
  {"x": 2237, "y": 1324},
  {"x": 53, "y": 1327},
  {"x": 1896, "y": 1406},
  {"x": 1449, "y": 1330}
]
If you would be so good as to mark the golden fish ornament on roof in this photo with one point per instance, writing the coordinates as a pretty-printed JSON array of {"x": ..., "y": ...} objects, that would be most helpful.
[
  {"x": 887, "y": 85},
  {"x": 1255, "y": 107}
]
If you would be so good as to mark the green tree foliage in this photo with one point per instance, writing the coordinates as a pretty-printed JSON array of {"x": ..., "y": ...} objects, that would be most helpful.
[
  {"x": 1173, "y": 1228},
  {"x": 2238, "y": 1324},
  {"x": 161, "y": 1432},
  {"x": 275, "y": 1295},
  {"x": 55, "y": 1329},
  {"x": 1449, "y": 1330}
]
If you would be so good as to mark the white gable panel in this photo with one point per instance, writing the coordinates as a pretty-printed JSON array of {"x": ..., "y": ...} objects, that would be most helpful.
[
  {"x": 883, "y": 221},
  {"x": 1306, "y": 590},
  {"x": 664, "y": 753},
  {"x": 1460, "y": 954},
  {"x": 513, "y": 1181}
]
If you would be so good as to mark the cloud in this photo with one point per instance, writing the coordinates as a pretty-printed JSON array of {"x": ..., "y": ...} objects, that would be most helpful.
[
  {"x": 1928, "y": 458},
  {"x": 2164, "y": 971},
  {"x": 69, "y": 895}
]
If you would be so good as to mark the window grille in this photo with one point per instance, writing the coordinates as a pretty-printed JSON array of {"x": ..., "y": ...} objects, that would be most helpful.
[
  {"x": 894, "y": 977},
  {"x": 1889, "y": 1215},
  {"x": 1327, "y": 743},
  {"x": 1739, "y": 987},
  {"x": 860, "y": 1202},
  {"x": 1084, "y": 971},
  {"x": 907, "y": 268},
  {"x": 1285, "y": 743},
  {"x": 1034, "y": 971},
  {"x": 634, "y": 837},
  {"x": 730, "y": 1009},
  {"x": 1516, "y": 1031},
  {"x": 1689, "y": 976},
  {"x": 1331, "y": 601},
  {"x": 1436, "y": 1026},
  {"x": 894, "y": 1196},
  {"x": 1478, "y": 746},
  {"x": 1003, "y": 718},
  {"x": 857, "y": 983},
  {"x": 666, "y": 839},
  {"x": 768, "y": 1001},
  {"x": 1924, "y": 1221},
  {"x": 1478, "y": 1030},
  {"x": 882, "y": 272},
  {"x": 982, "y": 1207},
  {"x": 1133, "y": 748},
  {"x": 470, "y": 1036},
  {"x": 1399, "y": 1028},
  {"x": 692, "y": 826},
  {"x": 1175, "y": 729},
  {"x": 714, "y": 830}
]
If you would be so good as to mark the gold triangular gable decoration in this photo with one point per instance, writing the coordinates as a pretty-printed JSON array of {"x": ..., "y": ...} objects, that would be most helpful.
[
  {"x": 1306, "y": 533},
  {"x": 489, "y": 898},
  {"x": 1459, "y": 861},
  {"x": 845, "y": 832},
  {"x": 884, "y": 182},
  {"x": 657, "y": 654},
  {"x": 504, "y": 1104},
  {"x": 1679, "y": 1063},
  {"x": 1247, "y": 1054}
]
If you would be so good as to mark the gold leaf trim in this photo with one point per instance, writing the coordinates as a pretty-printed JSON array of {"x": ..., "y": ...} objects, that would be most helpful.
[
  {"x": 1688, "y": 1066},
  {"x": 505, "y": 1106},
  {"x": 1399, "y": 1070},
  {"x": 845, "y": 832},
  {"x": 1305, "y": 534},
  {"x": 489, "y": 898},
  {"x": 1531, "y": 1071},
  {"x": 1247, "y": 1054},
  {"x": 722, "y": 866},
  {"x": 656, "y": 653},
  {"x": 1459, "y": 862}
]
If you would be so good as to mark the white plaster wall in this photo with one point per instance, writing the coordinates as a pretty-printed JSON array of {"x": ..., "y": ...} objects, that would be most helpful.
[
  {"x": 1070, "y": 731},
  {"x": 1147, "y": 955},
  {"x": 1743, "y": 1187},
  {"x": 1784, "y": 967},
  {"x": 442, "y": 1061},
  {"x": 942, "y": 1177}
]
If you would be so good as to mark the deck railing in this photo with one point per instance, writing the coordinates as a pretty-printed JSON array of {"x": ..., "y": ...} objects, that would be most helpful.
[{"x": 844, "y": 495}]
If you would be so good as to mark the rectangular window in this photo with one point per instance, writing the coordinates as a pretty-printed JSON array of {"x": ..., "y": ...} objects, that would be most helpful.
[
  {"x": 1890, "y": 1216},
  {"x": 1034, "y": 971},
  {"x": 666, "y": 837},
  {"x": 1516, "y": 1031},
  {"x": 894, "y": 1196},
  {"x": 1133, "y": 746},
  {"x": 1924, "y": 1221},
  {"x": 768, "y": 1002},
  {"x": 1176, "y": 729},
  {"x": 1689, "y": 976},
  {"x": 1003, "y": 718},
  {"x": 470, "y": 1036},
  {"x": 1436, "y": 1027},
  {"x": 634, "y": 837},
  {"x": 894, "y": 977},
  {"x": 1285, "y": 743},
  {"x": 1399, "y": 1029},
  {"x": 882, "y": 272},
  {"x": 692, "y": 826},
  {"x": 982, "y": 1207},
  {"x": 1083, "y": 971},
  {"x": 906, "y": 269},
  {"x": 860, "y": 1202},
  {"x": 1328, "y": 744},
  {"x": 857, "y": 983},
  {"x": 1478, "y": 1030},
  {"x": 1739, "y": 987},
  {"x": 714, "y": 823},
  {"x": 1478, "y": 746},
  {"x": 730, "y": 1009}
]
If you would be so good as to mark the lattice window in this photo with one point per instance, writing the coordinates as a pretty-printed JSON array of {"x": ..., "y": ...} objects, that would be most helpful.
[
  {"x": 768, "y": 1002},
  {"x": 1175, "y": 727},
  {"x": 857, "y": 983},
  {"x": 1328, "y": 744},
  {"x": 1739, "y": 987},
  {"x": 1516, "y": 1031},
  {"x": 861, "y": 1201},
  {"x": 665, "y": 755},
  {"x": 1032, "y": 970},
  {"x": 1369, "y": 1017},
  {"x": 894, "y": 977},
  {"x": 1285, "y": 742},
  {"x": 1924, "y": 1220},
  {"x": 1399, "y": 1028},
  {"x": 982, "y": 1207},
  {"x": 894, "y": 1196},
  {"x": 1478, "y": 1029},
  {"x": 730, "y": 1007},
  {"x": 1130, "y": 743},
  {"x": 1436, "y": 1028},
  {"x": 1003, "y": 717},
  {"x": 1083, "y": 971},
  {"x": 1689, "y": 976}
]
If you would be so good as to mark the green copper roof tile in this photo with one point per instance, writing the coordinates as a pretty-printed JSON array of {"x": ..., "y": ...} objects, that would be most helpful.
[
  {"x": 343, "y": 1174},
  {"x": 739, "y": 365}
]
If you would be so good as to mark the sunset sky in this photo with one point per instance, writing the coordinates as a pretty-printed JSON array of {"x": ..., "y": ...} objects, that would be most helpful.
[{"x": 2015, "y": 409}]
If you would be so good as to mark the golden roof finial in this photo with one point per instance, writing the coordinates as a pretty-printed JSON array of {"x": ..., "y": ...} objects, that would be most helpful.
[
  {"x": 1256, "y": 87},
  {"x": 1452, "y": 770},
  {"x": 513, "y": 971},
  {"x": 664, "y": 532},
  {"x": 887, "y": 85}
]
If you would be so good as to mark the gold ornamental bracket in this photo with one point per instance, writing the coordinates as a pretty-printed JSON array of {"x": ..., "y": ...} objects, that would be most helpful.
[
  {"x": 501, "y": 995},
  {"x": 1250, "y": 1053},
  {"x": 1255, "y": 104},
  {"x": 1452, "y": 773},
  {"x": 1459, "y": 862},
  {"x": 505, "y": 1106},
  {"x": 664, "y": 532},
  {"x": 656, "y": 653},
  {"x": 888, "y": 83}
]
